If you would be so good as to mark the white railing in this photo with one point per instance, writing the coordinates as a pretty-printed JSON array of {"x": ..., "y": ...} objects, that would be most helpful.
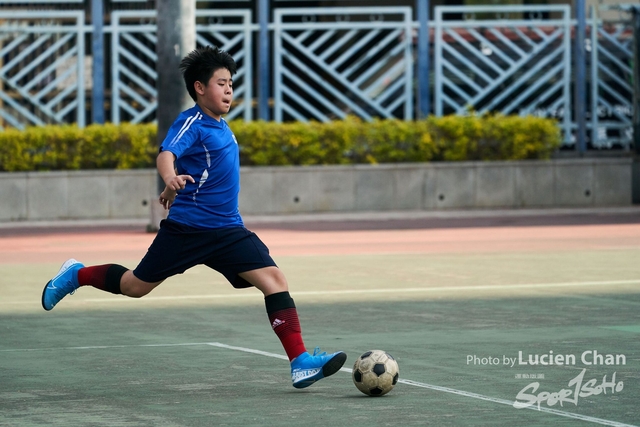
[
  {"x": 42, "y": 73},
  {"x": 514, "y": 66},
  {"x": 331, "y": 62},
  {"x": 134, "y": 60}
]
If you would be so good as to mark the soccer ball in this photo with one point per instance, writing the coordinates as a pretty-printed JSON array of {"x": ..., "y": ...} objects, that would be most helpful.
[{"x": 375, "y": 373}]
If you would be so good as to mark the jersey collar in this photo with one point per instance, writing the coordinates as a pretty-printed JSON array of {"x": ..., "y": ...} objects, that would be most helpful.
[{"x": 210, "y": 120}]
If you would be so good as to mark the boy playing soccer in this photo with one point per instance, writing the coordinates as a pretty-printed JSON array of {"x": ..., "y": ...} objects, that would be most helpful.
[{"x": 199, "y": 164}]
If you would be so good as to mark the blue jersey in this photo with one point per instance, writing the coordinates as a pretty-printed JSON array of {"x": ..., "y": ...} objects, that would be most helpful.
[{"x": 207, "y": 150}]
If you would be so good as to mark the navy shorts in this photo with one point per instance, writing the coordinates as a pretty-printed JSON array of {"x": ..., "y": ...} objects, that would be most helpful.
[{"x": 178, "y": 247}]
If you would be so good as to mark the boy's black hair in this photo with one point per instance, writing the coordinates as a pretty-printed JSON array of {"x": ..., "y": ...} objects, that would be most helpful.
[{"x": 200, "y": 64}]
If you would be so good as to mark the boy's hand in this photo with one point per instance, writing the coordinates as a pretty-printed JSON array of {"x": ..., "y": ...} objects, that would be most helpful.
[
  {"x": 170, "y": 192},
  {"x": 178, "y": 182},
  {"x": 167, "y": 198}
]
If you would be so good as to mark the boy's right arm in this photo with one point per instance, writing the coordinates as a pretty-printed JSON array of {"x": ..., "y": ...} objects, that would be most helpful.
[
  {"x": 164, "y": 163},
  {"x": 173, "y": 182}
]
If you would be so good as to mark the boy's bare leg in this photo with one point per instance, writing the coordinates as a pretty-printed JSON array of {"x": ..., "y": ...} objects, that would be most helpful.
[
  {"x": 133, "y": 287},
  {"x": 269, "y": 280}
]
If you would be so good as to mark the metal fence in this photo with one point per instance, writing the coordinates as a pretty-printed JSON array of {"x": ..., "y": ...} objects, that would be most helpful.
[
  {"x": 134, "y": 59},
  {"x": 611, "y": 66},
  {"x": 42, "y": 68},
  {"x": 514, "y": 66},
  {"x": 331, "y": 62}
]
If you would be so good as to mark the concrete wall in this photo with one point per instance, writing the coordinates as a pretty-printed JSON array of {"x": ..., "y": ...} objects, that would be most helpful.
[
  {"x": 277, "y": 190},
  {"x": 36, "y": 196}
]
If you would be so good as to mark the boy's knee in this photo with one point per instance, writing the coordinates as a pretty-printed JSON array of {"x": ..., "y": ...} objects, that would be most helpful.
[
  {"x": 280, "y": 279},
  {"x": 134, "y": 291},
  {"x": 133, "y": 287},
  {"x": 269, "y": 280}
]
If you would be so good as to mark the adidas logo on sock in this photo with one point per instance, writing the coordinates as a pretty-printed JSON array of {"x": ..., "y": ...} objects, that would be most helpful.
[{"x": 277, "y": 323}]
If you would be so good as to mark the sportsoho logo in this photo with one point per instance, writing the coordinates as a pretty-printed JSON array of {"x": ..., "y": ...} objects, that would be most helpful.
[{"x": 577, "y": 388}]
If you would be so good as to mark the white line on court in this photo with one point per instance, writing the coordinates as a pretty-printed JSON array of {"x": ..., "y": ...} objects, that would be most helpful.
[
  {"x": 449, "y": 390},
  {"x": 101, "y": 347},
  {"x": 510, "y": 403},
  {"x": 463, "y": 393},
  {"x": 397, "y": 290},
  {"x": 242, "y": 295}
]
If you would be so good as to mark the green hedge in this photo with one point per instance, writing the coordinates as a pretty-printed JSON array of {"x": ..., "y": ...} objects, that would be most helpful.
[
  {"x": 68, "y": 147},
  {"x": 350, "y": 141}
]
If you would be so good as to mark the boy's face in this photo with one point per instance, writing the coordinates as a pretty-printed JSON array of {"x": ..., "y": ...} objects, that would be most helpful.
[{"x": 215, "y": 98}]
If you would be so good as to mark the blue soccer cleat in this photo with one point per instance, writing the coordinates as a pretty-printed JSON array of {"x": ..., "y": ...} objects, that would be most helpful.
[
  {"x": 64, "y": 283},
  {"x": 306, "y": 369}
]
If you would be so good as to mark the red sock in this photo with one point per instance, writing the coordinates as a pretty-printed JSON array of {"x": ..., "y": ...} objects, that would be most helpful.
[
  {"x": 104, "y": 277},
  {"x": 284, "y": 321}
]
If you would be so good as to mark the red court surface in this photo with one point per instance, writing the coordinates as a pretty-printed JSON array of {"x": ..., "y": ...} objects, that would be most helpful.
[{"x": 484, "y": 233}]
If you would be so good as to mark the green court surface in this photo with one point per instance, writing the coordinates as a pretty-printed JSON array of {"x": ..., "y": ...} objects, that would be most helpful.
[{"x": 461, "y": 325}]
